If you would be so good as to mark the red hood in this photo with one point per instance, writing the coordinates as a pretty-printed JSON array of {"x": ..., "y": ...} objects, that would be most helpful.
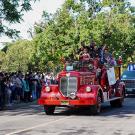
[{"x": 75, "y": 73}]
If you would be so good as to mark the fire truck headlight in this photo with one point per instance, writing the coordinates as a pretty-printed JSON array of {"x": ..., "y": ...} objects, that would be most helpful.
[
  {"x": 88, "y": 89},
  {"x": 47, "y": 89}
]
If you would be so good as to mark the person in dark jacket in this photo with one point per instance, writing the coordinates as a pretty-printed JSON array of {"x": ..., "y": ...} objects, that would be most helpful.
[
  {"x": 101, "y": 53},
  {"x": 91, "y": 49},
  {"x": 2, "y": 92}
]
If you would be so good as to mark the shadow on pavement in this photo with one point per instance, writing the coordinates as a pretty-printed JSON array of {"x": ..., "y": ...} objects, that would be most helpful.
[
  {"x": 33, "y": 109},
  {"x": 22, "y": 109},
  {"x": 126, "y": 111}
]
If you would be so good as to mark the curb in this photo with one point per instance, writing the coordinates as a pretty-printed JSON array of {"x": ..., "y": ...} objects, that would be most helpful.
[{"x": 20, "y": 105}]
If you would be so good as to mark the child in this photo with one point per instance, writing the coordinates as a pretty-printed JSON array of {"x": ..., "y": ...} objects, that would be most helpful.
[{"x": 85, "y": 56}]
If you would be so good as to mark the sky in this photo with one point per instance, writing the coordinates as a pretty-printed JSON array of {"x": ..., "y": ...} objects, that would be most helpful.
[{"x": 35, "y": 16}]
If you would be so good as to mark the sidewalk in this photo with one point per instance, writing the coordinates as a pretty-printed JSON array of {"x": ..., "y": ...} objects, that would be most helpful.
[{"x": 20, "y": 105}]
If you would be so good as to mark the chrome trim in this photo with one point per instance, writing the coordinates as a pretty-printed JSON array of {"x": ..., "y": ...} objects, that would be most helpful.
[{"x": 68, "y": 85}]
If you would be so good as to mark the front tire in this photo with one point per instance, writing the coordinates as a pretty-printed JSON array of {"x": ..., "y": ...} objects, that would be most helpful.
[
  {"x": 96, "y": 109},
  {"x": 49, "y": 110}
]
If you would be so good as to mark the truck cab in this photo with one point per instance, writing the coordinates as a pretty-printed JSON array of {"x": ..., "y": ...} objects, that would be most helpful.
[
  {"x": 83, "y": 84},
  {"x": 128, "y": 77}
]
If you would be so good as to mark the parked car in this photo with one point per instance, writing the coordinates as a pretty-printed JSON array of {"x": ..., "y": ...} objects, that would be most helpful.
[{"x": 128, "y": 77}]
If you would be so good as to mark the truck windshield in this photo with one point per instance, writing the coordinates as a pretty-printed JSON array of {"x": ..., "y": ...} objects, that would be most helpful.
[
  {"x": 77, "y": 65},
  {"x": 70, "y": 66},
  {"x": 128, "y": 75}
]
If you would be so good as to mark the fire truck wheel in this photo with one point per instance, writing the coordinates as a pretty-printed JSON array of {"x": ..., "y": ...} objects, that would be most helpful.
[
  {"x": 118, "y": 102},
  {"x": 96, "y": 109},
  {"x": 49, "y": 110}
]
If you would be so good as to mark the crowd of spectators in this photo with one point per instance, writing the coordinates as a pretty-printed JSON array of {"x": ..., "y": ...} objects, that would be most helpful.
[
  {"x": 18, "y": 87},
  {"x": 101, "y": 52},
  {"x": 101, "y": 59}
]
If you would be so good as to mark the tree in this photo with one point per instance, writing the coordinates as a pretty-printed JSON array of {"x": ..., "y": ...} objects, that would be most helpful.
[
  {"x": 59, "y": 35},
  {"x": 2, "y": 58},
  {"x": 11, "y": 11},
  {"x": 55, "y": 40},
  {"x": 86, "y": 20},
  {"x": 18, "y": 56}
]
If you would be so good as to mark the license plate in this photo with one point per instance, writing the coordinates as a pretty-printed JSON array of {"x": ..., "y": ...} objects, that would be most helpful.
[{"x": 64, "y": 102}]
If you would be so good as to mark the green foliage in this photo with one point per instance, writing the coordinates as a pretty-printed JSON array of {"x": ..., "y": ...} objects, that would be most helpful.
[
  {"x": 18, "y": 56},
  {"x": 2, "y": 58},
  {"x": 11, "y": 11},
  {"x": 59, "y": 35}
]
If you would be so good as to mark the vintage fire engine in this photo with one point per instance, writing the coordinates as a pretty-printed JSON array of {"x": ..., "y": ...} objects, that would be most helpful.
[{"x": 84, "y": 84}]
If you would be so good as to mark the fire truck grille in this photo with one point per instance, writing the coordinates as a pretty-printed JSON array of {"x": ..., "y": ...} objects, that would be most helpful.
[
  {"x": 130, "y": 84},
  {"x": 68, "y": 85}
]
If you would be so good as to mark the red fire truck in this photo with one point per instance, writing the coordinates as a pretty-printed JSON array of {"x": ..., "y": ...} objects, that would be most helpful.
[{"x": 84, "y": 84}]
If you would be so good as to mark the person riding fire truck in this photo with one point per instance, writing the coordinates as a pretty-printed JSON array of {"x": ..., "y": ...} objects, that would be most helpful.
[{"x": 84, "y": 83}]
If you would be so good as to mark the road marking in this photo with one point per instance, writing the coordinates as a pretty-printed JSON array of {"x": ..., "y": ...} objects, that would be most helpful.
[
  {"x": 40, "y": 125},
  {"x": 14, "y": 118}
]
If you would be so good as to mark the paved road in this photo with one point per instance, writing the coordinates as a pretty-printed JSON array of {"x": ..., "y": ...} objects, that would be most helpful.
[{"x": 31, "y": 120}]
